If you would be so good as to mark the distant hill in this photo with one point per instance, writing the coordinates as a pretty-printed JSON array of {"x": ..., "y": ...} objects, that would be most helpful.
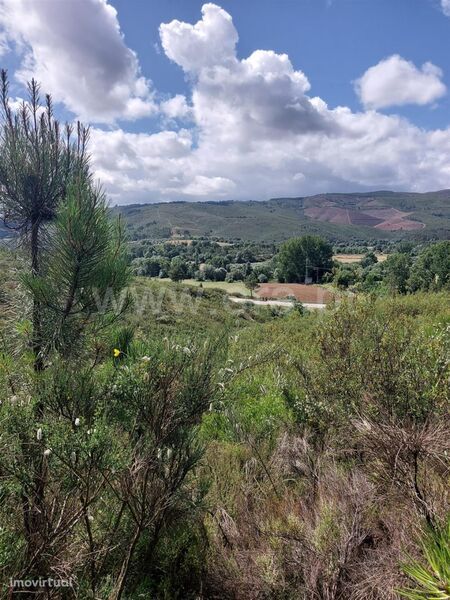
[{"x": 338, "y": 217}]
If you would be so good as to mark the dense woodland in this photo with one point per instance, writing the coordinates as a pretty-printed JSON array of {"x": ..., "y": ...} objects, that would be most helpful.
[{"x": 157, "y": 441}]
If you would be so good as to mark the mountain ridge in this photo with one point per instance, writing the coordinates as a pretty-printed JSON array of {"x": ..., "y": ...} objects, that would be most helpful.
[{"x": 380, "y": 214}]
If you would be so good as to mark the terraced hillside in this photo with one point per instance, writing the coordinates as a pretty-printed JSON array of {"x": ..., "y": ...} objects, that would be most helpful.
[{"x": 340, "y": 217}]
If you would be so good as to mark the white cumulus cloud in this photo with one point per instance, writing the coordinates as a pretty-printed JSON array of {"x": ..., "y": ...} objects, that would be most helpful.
[
  {"x": 258, "y": 95},
  {"x": 75, "y": 48},
  {"x": 210, "y": 42},
  {"x": 446, "y": 7},
  {"x": 176, "y": 108},
  {"x": 395, "y": 81}
]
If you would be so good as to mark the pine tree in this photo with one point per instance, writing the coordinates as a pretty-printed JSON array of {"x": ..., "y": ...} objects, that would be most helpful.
[
  {"x": 38, "y": 158},
  {"x": 81, "y": 277}
]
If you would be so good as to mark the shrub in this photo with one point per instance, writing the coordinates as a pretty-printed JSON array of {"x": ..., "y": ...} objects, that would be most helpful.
[{"x": 432, "y": 579}]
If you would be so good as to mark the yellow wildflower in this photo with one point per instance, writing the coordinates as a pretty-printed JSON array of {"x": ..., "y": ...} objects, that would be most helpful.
[{"x": 116, "y": 353}]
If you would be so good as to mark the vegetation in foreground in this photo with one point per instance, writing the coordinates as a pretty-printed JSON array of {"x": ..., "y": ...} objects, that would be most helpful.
[
  {"x": 157, "y": 442},
  {"x": 297, "y": 457}
]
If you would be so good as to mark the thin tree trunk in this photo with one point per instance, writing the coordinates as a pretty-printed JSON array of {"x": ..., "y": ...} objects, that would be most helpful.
[
  {"x": 116, "y": 594},
  {"x": 34, "y": 498},
  {"x": 92, "y": 545},
  {"x": 37, "y": 308}
]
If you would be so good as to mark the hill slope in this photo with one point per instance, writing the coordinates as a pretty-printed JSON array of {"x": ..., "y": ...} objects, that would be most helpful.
[{"x": 340, "y": 217}]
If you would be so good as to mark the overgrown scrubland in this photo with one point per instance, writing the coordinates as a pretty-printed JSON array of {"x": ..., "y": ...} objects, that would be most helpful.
[
  {"x": 341, "y": 457},
  {"x": 295, "y": 456}
]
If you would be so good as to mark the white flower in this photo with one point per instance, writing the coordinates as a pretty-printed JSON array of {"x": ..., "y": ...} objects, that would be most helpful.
[
  {"x": 47, "y": 452},
  {"x": 77, "y": 422},
  {"x": 146, "y": 358},
  {"x": 39, "y": 434}
]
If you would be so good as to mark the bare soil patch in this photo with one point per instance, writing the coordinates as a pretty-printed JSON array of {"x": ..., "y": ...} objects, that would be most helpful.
[
  {"x": 356, "y": 258},
  {"x": 386, "y": 219},
  {"x": 399, "y": 224},
  {"x": 305, "y": 293}
]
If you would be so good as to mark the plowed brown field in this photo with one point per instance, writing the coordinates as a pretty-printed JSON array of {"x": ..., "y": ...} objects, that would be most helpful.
[{"x": 304, "y": 293}]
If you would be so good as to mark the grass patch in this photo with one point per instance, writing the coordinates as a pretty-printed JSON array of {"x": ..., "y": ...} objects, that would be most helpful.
[{"x": 231, "y": 288}]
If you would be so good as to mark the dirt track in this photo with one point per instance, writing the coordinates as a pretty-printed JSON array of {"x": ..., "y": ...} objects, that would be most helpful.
[{"x": 283, "y": 303}]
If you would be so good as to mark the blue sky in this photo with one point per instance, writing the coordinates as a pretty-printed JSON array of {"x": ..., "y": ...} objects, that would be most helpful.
[
  {"x": 244, "y": 99},
  {"x": 332, "y": 41}
]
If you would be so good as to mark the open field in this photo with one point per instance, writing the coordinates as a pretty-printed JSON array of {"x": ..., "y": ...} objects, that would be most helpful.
[
  {"x": 356, "y": 258},
  {"x": 348, "y": 258},
  {"x": 188, "y": 242},
  {"x": 313, "y": 294},
  {"x": 235, "y": 287}
]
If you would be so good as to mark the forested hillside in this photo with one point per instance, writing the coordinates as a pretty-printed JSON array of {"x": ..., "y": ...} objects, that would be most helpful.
[{"x": 340, "y": 217}]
